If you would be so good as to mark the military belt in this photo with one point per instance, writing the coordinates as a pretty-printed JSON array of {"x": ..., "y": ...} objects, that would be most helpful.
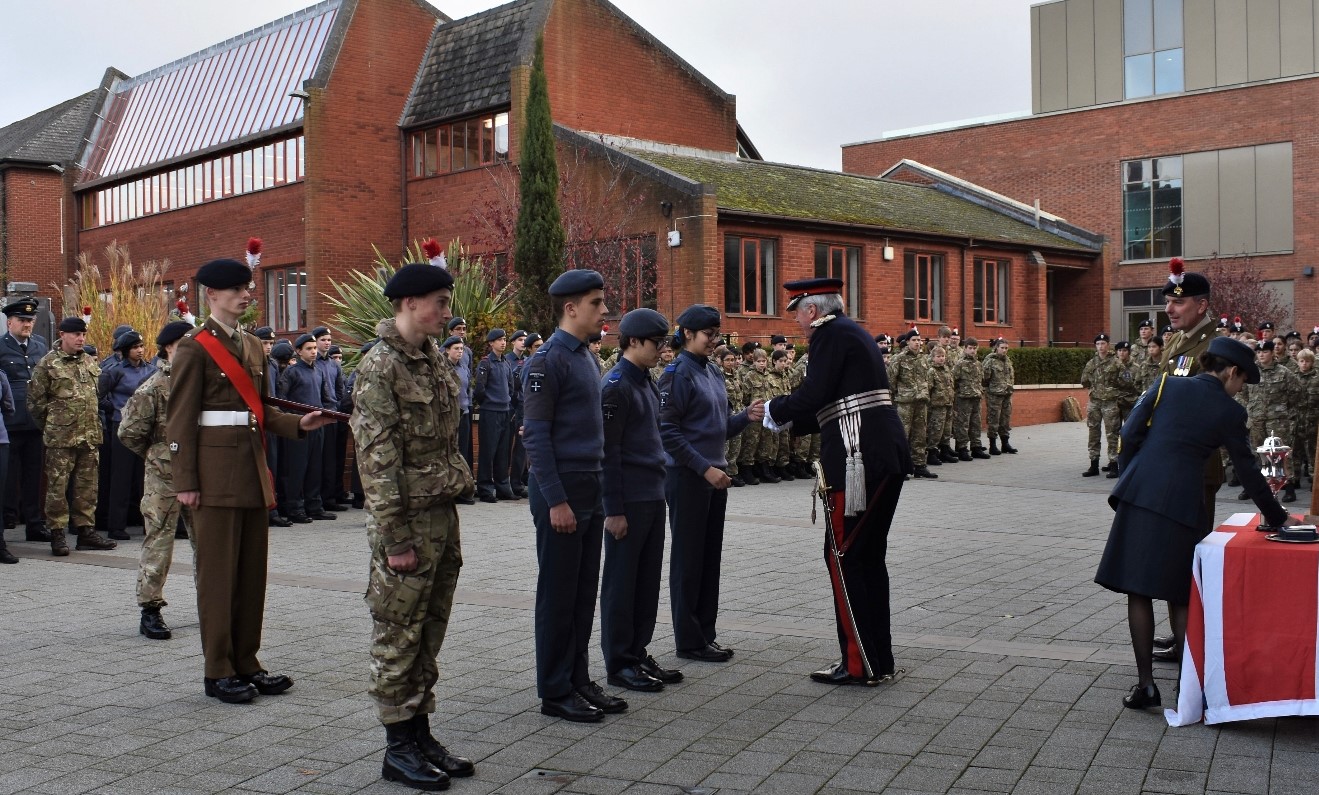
[
  {"x": 224, "y": 418},
  {"x": 854, "y": 405}
]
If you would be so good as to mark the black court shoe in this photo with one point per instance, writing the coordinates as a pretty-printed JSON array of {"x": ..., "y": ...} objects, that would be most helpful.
[{"x": 1142, "y": 697}]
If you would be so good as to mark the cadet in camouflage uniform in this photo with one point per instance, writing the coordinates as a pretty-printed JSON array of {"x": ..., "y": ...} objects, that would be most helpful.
[
  {"x": 806, "y": 448},
  {"x": 1307, "y": 414},
  {"x": 1101, "y": 409},
  {"x": 1147, "y": 370},
  {"x": 942, "y": 396},
  {"x": 1140, "y": 348},
  {"x": 666, "y": 358},
  {"x": 728, "y": 360},
  {"x": 1272, "y": 405},
  {"x": 1122, "y": 379},
  {"x": 62, "y": 399},
  {"x": 757, "y": 442},
  {"x": 999, "y": 380},
  {"x": 909, "y": 376},
  {"x": 405, "y": 428},
  {"x": 142, "y": 431},
  {"x": 781, "y": 379},
  {"x": 968, "y": 385}
]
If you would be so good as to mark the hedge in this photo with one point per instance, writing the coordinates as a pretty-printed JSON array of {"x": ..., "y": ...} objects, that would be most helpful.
[{"x": 1049, "y": 365}]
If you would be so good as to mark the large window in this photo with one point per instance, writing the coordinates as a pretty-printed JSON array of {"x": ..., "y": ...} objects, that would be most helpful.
[
  {"x": 992, "y": 278},
  {"x": 1152, "y": 41},
  {"x": 460, "y": 145},
  {"x": 259, "y": 168},
  {"x": 286, "y": 298},
  {"x": 749, "y": 282},
  {"x": 922, "y": 290},
  {"x": 841, "y": 262},
  {"x": 1152, "y": 208}
]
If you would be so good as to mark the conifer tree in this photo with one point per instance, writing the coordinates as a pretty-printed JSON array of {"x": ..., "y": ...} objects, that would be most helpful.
[{"x": 538, "y": 248}]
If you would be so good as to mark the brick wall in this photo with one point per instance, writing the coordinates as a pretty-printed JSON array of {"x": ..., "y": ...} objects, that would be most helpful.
[
  {"x": 32, "y": 199},
  {"x": 605, "y": 77},
  {"x": 1071, "y": 162}
]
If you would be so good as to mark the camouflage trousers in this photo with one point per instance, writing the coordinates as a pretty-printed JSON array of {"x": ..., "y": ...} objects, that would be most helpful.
[
  {"x": 1108, "y": 414},
  {"x": 160, "y": 516},
  {"x": 1280, "y": 427},
  {"x": 999, "y": 414},
  {"x": 782, "y": 448},
  {"x": 1305, "y": 444},
  {"x": 754, "y": 438},
  {"x": 914, "y": 416},
  {"x": 939, "y": 426},
  {"x": 79, "y": 465},
  {"x": 967, "y": 424},
  {"x": 733, "y": 449},
  {"x": 806, "y": 449},
  {"x": 410, "y": 613}
]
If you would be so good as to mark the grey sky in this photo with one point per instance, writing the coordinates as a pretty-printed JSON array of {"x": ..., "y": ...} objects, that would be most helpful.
[{"x": 809, "y": 76}]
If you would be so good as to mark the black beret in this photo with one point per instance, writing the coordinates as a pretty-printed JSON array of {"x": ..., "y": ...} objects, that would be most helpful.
[
  {"x": 494, "y": 334},
  {"x": 1266, "y": 345},
  {"x": 1122, "y": 345},
  {"x": 519, "y": 334},
  {"x": 576, "y": 282},
  {"x": 368, "y": 345},
  {"x": 1167, "y": 329},
  {"x": 1222, "y": 322},
  {"x": 533, "y": 338},
  {"x": 320, "y": 331},
  {"x": 883, "y": 350},
  {"x": 283, "y": 351},
  {"x": 1146, "y": 323},
  {"x": 334, "y": 350},
  {"x": 778, "y": 338},
  {"x": 264, "y": 333},
  {"x": 801, "y": 288},
  {"x": 596, "y": 337},
  {"x": 221, "y": 274},
  {"x": 699, "y": 316},
  {"x": 748, "y": 347},
  {"x": 173, "y": 332},
  {"x": 1237, "y": 353},
  {"x": 1194, "y": 285},
  {"x": 905, "y": 336},
  {"x": 881, "y": 339},
  {"x": 1292, "y": 335},
  {"x": 73, "y": 325},
  {"x": 127, "y": 340},
  {"x": 1265, "y": 326},
  {"x": 416, "y": 279},
  {"x": 452, "y": 341},
  {"x": 302, "y": 339},
  {"x": 25, "y": 308},
  {"x": 1101, "y": 337},
  {"x": 643, "y": 324},
  {"x": 456, "y": 322}
]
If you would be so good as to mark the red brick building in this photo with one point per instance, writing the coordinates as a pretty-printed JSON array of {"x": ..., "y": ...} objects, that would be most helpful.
[
  {"x": 1173, "y": 128},
  {"x": 378, "y": 122}
]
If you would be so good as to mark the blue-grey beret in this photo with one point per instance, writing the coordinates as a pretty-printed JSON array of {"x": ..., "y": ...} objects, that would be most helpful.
[
  {"x": 173, "y": 332},
  {"x": 127, "y": 340},
  {"x": 302, "y": 339},
  {"x": 283, "y": 351},
  {"x": 643, "y": 324},
  {"x": 494, "y": 334},
  {"x": 1238, "y": 353},
  {"x": 221, "y": 274},
  {"x": 576, "y": 282},
  {"x": 596, "y": 337},
  {"x": 320, "y": 331},
  {"x": 533, "y": 338},
  {"x": 456, "y": 322},
  {"x": 334, "y": 350},
  {"x": 114, "y": 335},
  {"x": 517, "y": 335},
  {"x": 452, "y": 341},
  {"x": 699, "y": 316},
  {"x": 368, "y": 345},
  {"x": 265, "y": 333},
  {"x": 416, "y": 279}
]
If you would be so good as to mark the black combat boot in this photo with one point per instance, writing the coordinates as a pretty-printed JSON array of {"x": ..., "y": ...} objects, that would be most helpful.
[
  {"x": 979, "y": 452},
  {"x": 5, "y": 555},
  {"x": 36, "y": 531},
  {"x": 153, "y": 625},
  {"x": 964, "y": 455},
  {"x": 748, "y": 475},
  {"x": 436, "y": 754},
  {"x": 1112, "y": 471},
  {"x": 1289, "y": 492},
  {"x": 1008, "y": 448},
  {"x": 767, "y": 474},
  {"x": 924, "y": 472},
  {"x": 737, "y": 481},
  {"x": 932, "y": 458},
  {"x": 88, "y": 538},
  {"x": 806, "y": 471},
  {"x": 405, "y": 763},
  {"x": 1093, "y": 470},
  {"x": 993, "y": 445},
  {"x": 784, "y": 473},
  {"x": 59, "y": 547},
  {"x": 948, "y": 455}
]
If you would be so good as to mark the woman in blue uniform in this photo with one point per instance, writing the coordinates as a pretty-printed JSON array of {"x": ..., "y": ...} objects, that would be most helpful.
[{"x": 1173, "y": 429}]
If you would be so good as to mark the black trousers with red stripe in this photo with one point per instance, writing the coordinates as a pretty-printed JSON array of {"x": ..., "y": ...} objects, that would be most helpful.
[{"x": 863, "y": 632}]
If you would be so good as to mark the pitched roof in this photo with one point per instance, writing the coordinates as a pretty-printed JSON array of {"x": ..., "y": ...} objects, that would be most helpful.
[
  {"x": 795, "y": 192},
  {"x": 53, "y": 136},
  {"x": 467, "y": 65}
]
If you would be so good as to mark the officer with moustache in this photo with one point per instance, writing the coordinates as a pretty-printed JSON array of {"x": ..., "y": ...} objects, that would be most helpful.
[{"x": 19, "y": 354}]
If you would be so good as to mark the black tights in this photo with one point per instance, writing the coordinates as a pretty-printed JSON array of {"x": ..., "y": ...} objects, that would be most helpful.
[{"x": 1140, "y": 620}]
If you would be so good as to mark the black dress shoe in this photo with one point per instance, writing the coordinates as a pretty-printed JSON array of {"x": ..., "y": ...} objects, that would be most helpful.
[
  {"x": 268, "y": 684},
  {"x": 36, "y": 532},
  {"x": 1171, "y": 654},
  {"x": 519, "y": 494},
  {"x": 837, "y": 674},
  {"x": 598, "y": 698},
  {"x": 1142, "y": 697},
  {"x": 715, "y": 645},
  {"x": 1164, "y": 641},
  {"x": 6, "y": 556},
  {"x": 230, "y": 690},
  {"x": 633, "y": 678},
  {"x": 652, "y": 669},
  {"x": 153, "y": 625},
  {"x": 359, "y": 504},
  {"x": 299, "y": 518},
  {"x": 322, "y": 516},
  {"x": 465, "y": 500},
  {"x": 118, "y": 535},
  {"x": 571, "y": 707},
  {"x": 505, "y": 494},
  {"x": 488, "y": 498},
  {"x": 280, "y": 521},
  {"x": 707, "y": 653}
]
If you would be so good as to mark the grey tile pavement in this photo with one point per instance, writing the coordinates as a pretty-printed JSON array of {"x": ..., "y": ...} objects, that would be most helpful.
[{"x": 1015, "y": 663}]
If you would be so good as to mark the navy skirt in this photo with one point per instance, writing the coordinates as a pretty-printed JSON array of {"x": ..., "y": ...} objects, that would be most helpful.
[{"x": 1149, "y": 554}]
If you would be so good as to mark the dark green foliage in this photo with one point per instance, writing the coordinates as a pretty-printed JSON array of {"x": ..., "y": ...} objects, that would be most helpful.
[
  {"x": 1048, "y": 365},
  {"x": 538, "y": 247}
]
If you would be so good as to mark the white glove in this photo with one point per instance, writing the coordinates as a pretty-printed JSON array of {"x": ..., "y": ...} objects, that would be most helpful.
[{"x": 769, "y": 422}]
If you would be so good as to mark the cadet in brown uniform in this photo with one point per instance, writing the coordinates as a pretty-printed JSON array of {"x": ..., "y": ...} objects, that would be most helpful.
[{"x": 216, "y": 448}]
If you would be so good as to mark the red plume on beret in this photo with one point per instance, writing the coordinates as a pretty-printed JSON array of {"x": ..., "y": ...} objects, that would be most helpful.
[
  {"x": 1236, "y": 319},
  {"x": 913, "y": 326},
  {"x": 86, "y": 310},
  {"x": 182, "y": 306},
  {"x": 253, "y": 252},
  {"x": 434, "y": 252}
]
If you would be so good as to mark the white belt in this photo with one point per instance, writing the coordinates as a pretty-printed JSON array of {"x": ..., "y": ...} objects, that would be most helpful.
[{"x": 224, "y": 418}]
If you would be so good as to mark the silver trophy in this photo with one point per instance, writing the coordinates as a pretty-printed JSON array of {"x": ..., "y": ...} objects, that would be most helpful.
[{"x": 1273, "y": 455}]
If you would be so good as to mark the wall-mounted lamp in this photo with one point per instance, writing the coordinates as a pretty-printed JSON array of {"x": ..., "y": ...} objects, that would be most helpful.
[
  {"x": 666, "y": 207},
  {"x": 1307, "y": 271}
]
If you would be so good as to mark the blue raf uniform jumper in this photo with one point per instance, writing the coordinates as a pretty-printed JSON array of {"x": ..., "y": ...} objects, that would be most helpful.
[
  {"x": 26, "y": 451},
  {"x": 300, "y": 459},
  {"x": 494, "y": 393},
  {"x": 126, "y": 470}
]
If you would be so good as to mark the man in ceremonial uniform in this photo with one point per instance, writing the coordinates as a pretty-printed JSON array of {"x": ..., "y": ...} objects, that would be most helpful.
[
  {"x": 563, "y": 432},
  {"x": 405, "y": 428},
  {"x": 19, "y": 354},
  {"x": 214, "y": 429},
  {"x": 62, "y": 400},
  {"x": 865, "y": 458}
]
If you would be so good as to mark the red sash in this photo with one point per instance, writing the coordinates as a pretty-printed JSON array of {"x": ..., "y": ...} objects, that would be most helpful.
[{"x": 239, "y": 377}]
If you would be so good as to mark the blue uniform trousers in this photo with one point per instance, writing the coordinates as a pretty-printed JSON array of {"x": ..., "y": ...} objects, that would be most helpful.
[
  {"x": 23, "y": 485},
  {"x": 629, "y": 585},
  {"x": 696, "y": 522},
  {"x": 492, "y": 466}
]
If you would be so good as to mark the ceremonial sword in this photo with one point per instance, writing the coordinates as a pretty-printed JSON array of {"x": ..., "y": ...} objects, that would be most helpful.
[{"x": 822, "y": 488}]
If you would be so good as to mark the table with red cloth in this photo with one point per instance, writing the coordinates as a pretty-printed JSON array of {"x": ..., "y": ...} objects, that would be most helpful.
[{"x": 1251, "y": 637}]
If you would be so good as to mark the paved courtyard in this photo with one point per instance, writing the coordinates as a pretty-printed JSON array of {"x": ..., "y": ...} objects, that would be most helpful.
[{"x": 1015, "y": 665}]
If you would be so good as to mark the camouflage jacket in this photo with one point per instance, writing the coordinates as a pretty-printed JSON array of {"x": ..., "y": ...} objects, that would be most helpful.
[
  {"x": 942, "y": 390},
  {"x": 1290, "y": 364},
  {"x": 1277, "y": 396},
  {"x": 62, "y": 399},
  {"x": 1093, "y": 377},
  {"x": 1310, "y": 395},
  {"x": 781, "y": 380},
  {"x": 1146, "y": 373},
  {"x": 909, "y": 377},
  {"x": 142, "y": 423},
  {"x": 405, "y": 429},
  {"x": 968, "y": 377},
  {"x": 757, "y": 385},
  {"x": 999, "y": 376},
  {"x": 1140, "y": 351},
  {"x": 733, "y": 385},
  {"x": 1121, "y": 379}
]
